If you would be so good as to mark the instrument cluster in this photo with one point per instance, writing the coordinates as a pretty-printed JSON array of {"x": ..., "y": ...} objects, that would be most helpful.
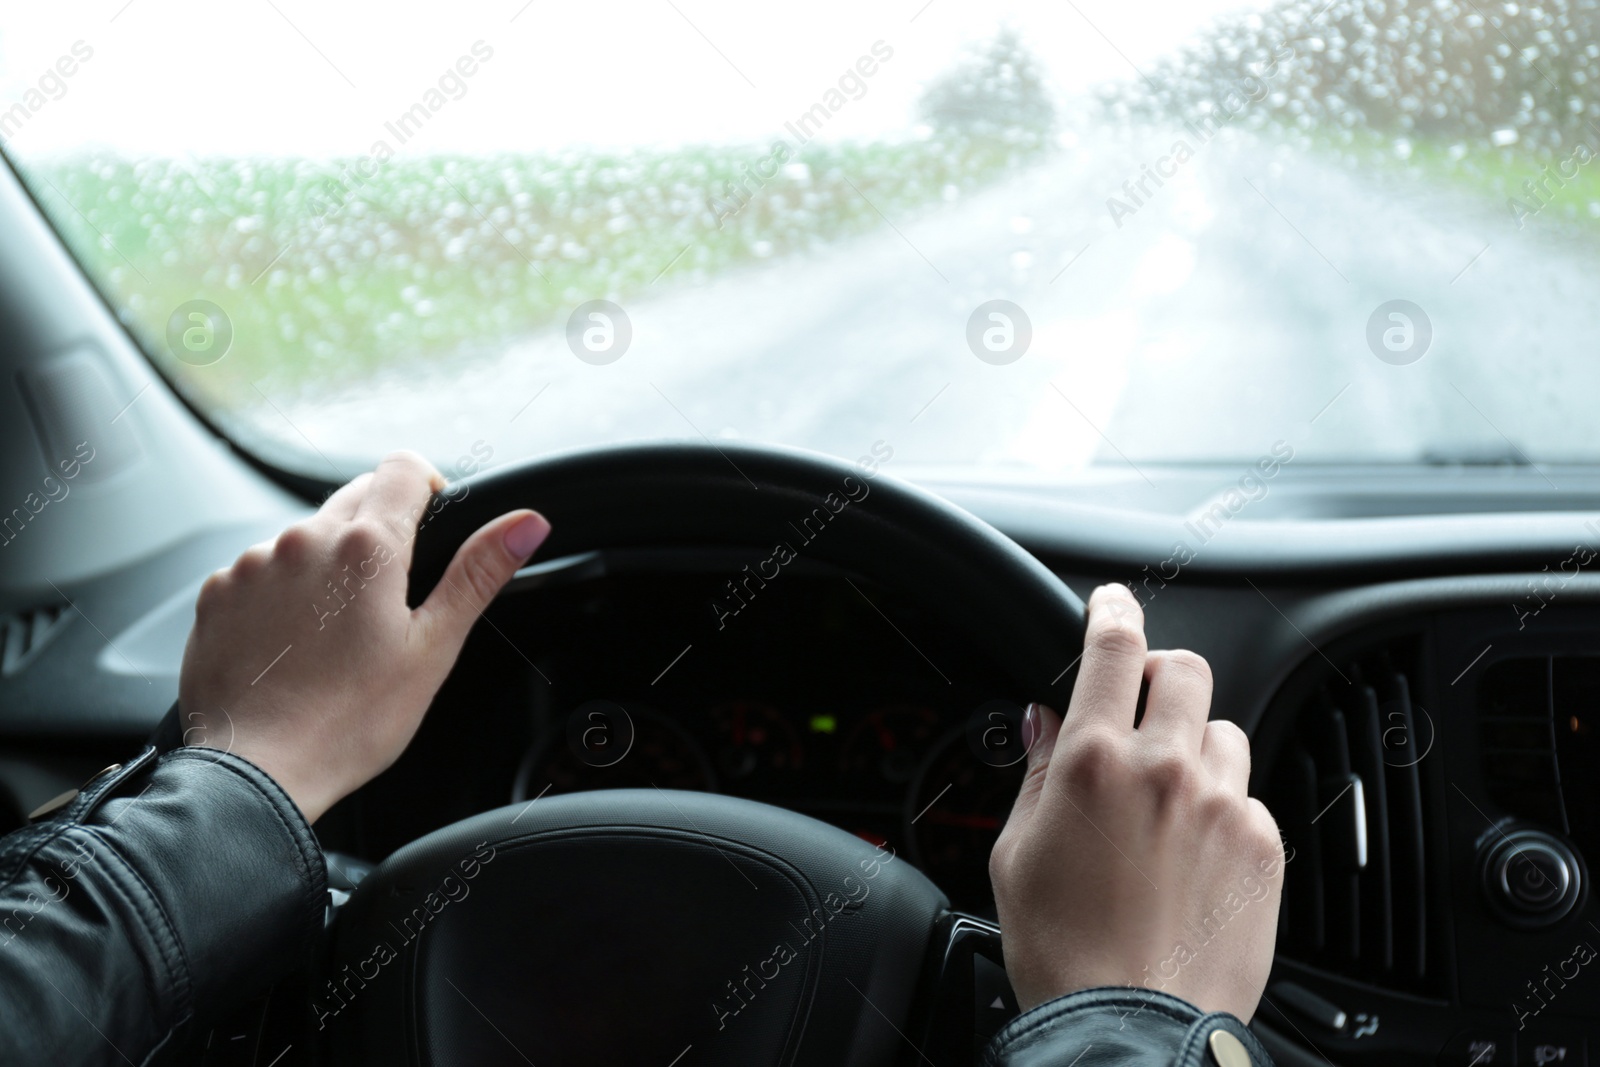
[{"x": 936, "y": 782}]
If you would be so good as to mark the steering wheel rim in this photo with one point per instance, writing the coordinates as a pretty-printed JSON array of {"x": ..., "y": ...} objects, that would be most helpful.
[
  {"x": 758, "y": 496},
  {"x": 630, "y": 862}
]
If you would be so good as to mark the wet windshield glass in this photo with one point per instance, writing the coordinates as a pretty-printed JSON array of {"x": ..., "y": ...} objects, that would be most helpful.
[{"x": 1026, "y": 239}]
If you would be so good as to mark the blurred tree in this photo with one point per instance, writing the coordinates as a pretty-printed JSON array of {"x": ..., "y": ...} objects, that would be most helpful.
[
  {"x": 1449, "y": 71},
  {"x": 996, "y": 91}
]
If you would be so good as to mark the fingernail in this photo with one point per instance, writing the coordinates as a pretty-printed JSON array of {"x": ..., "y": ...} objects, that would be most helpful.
[
  {"x": 527, "y": 535},
  {"x": 1030, "y": 727}
]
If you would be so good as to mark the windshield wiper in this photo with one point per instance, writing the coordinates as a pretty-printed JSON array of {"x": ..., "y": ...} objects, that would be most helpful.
[{"x": 1506, "y": 455}]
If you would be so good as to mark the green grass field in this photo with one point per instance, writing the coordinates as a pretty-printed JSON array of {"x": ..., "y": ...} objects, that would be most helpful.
[
  {"x": 1572, "y": 197},
  {"x": 329, "y": 272}
]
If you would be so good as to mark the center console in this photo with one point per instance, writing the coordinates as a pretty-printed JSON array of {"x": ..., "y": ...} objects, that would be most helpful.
[{"x": 1437, "y": 782}]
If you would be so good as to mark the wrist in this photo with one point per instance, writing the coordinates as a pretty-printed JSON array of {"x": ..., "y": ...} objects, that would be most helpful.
[
  {"x": 312, "y": 798},
  {"x": 1123, "y": 1024}
]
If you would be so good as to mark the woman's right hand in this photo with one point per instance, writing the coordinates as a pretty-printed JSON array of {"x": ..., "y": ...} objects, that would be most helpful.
[{"x": 1134, "y": 856}]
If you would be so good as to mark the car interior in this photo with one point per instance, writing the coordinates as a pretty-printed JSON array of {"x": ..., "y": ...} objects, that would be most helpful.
[{"x": 822, "y": 573}]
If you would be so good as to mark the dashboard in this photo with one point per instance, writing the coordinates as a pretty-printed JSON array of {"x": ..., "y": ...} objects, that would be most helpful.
[
  {"x": 1427, "y": 746},
  {"x": 1429, "y": 743}
]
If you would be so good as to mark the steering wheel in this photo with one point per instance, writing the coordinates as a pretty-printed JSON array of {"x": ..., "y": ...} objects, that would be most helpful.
[{"x": 657, "y": 927}]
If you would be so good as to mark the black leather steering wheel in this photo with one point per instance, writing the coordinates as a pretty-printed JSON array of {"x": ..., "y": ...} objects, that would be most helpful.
[{"x": 656, "y": 927}]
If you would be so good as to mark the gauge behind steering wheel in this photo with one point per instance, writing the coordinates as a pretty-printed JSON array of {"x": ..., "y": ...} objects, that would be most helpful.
[{"x": 642, "y": 925}]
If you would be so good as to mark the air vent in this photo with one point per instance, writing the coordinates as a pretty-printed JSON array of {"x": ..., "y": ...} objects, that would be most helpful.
[
  {"x": 1575, "y": 706},
  {"x": 25, "y": 633},
  {"x": 1539, "y": 735},
  {"x": 1516, "y": 733},
  {"x": 1347, "y": 788}
]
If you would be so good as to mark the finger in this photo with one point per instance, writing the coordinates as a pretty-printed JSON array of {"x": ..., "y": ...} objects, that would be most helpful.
[
  {"x": 1114, "y": 649},
  {"x": 1279, "y": 853},
  {"x": 1041, "y": 726},
  {"x": 253, "y": 560},
  {"x": 1225, "y": 753},
  {"x": 342, "y": 503},
  {"x": 398, "y": 496},
  {"x": 482, "y": 566},
  {"x": 1180, "y": 699}
]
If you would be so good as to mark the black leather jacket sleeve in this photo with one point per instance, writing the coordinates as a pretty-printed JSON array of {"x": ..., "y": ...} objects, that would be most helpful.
[
  {"x": 165, "y": 893},
  {"x": 1117, "y": 1026}
]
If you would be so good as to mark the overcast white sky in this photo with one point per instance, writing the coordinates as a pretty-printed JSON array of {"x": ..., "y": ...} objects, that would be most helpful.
[{"x": 315, "y": 78}]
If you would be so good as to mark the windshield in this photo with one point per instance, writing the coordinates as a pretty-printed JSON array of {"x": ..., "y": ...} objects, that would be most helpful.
[{"x": 1026, "y": 239}]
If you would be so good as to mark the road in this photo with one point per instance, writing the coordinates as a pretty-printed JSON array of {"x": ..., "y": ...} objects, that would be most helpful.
[{"x": 1227, "y": 312}]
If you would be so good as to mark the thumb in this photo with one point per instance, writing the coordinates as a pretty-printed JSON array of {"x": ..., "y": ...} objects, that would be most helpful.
[
  {"x": 482, "y": 566},
  {"x": 1041, "y": 727}
]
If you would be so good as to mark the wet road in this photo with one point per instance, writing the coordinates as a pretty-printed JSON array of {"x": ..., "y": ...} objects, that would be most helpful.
[{"x": 1229, "y": 310}]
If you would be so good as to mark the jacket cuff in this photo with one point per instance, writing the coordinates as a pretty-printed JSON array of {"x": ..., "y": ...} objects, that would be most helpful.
[
  {"x": 226, "y": 861},
  {"x": 1120, "y": 1025}
]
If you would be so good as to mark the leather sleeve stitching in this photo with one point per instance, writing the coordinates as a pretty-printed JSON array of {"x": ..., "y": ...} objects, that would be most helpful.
[
  {"x": 48, "y": 831},
  {"x": 298, "y": 829},
  {"x": 1053, "y": 1011},
  {"x": 157, "y": 923},
  {"x": 45, "y": 834}
]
